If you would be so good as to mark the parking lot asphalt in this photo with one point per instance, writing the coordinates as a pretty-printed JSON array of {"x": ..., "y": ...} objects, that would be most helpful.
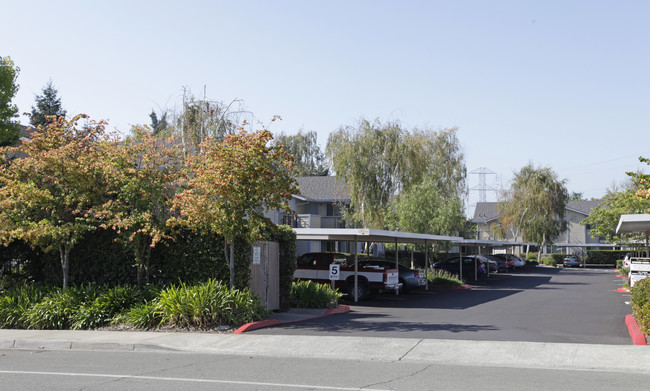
[{"x": 551, "y": 305}]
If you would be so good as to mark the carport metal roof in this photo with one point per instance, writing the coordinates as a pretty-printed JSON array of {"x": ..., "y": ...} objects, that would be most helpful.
[
  {"x": 382, "y": 236},
  {"x": 369, "y": 235},
  {"x": 637, "y": 223}
]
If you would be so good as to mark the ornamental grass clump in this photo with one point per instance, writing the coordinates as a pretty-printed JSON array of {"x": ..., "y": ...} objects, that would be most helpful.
[
  {"x": 15, "y": 305},
  {"x": 308, "y": 294},
  {"x": 441, "y": 277},
  {"x": 57, "y": 309},
  {"x": 202, "y": 306},
  {"x": 109, "y": 304}
]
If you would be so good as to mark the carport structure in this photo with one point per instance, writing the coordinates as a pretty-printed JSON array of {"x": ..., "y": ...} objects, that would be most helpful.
[
  {"x": 487, "y": 245},
  {"x": 636, "y": 223},
  {"x": 356, "y": 235}
]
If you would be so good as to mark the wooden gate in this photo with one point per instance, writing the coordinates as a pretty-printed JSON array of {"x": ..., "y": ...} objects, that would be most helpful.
[{"x": 265, "y": 273}]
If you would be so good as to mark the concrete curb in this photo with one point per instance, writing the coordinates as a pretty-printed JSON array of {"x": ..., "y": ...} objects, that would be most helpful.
[
  {"x": 273, "y": 322},
  {"x": 635, "y": 332}
]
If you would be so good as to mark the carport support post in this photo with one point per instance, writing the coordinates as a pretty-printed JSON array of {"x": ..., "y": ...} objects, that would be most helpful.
[
  {"x": 460, "y": 260},
  {"x": 426, "y": 265},
  {"x": 397, "y": 265},
  {"x": 356, "y": 273}
]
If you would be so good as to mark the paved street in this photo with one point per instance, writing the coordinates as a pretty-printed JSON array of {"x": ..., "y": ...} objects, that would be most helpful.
[
  {"x": 544, "y": 329},
  {"x": 540, "y": 305},
  {"x": 161, "y": 371}
]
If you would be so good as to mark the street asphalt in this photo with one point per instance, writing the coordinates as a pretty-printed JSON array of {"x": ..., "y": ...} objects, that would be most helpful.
[{"x": 612, "y": 358}]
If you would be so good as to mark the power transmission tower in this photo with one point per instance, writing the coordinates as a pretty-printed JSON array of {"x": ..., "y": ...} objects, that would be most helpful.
[{"x": 483, "y": 187}]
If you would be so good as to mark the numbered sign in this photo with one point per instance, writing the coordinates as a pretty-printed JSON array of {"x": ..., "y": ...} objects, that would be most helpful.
[
  {"x": 257, "y": 255},
  {"x": 335, "y": 272}
]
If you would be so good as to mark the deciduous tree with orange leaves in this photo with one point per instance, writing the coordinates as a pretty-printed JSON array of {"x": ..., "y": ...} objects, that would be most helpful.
[
  {"x": 230, "y": 186},
  {"x": 51, "y": 185},
  {"x": 145, "y": 171}
]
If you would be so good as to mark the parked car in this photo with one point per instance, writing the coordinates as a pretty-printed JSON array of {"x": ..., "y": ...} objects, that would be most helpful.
[
  {"x": 316, "y": 267},
  {"x": 488, "y": 259},
  {"x": 515, "y": 259},
  {"x": 571, "y": 262},
  {"x": 503, "y": 263},
  {"x": 472, "y": 265},
  {"x": 626, "y": 261},
  {"x": 410, "y": 278}
]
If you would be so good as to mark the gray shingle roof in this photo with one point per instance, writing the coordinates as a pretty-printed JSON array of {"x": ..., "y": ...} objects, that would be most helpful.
[
  {"x": 583, "y": 206},
  {"x": 323, "y": 189},
  {"x": 486, "y": 211}
]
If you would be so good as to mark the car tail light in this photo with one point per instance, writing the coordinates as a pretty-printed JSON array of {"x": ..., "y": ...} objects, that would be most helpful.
[{"x": 416, "y": 274}]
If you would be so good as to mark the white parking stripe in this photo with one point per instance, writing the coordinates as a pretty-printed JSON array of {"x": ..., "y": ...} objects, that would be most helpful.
[{"x": 184, "y": 379}]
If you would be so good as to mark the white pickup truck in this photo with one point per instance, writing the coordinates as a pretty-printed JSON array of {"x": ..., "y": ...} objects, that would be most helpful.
[{"x": 315, "y": 267}]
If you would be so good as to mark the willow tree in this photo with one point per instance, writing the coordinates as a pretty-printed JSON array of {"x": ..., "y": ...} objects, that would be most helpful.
[
  {"x": 307, "y": 156},
  {"x": 534, "y": 205},
  {"x": 231, "y": 185},
  {"x": 369, "y": 158},
  {"x": 49, "y": 192},
  {"x": 391, "y": 172}
]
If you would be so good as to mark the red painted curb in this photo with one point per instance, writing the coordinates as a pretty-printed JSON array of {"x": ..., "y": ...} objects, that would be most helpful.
[
  {"x": 256, "y": 325},
  {"x": 621, "y": 275},
  {"x": 623, "y": 290},
  {"x": 635, "y": 332},
  {"x": 338, "y": 310},
  {"x": 272, "y": 322}
]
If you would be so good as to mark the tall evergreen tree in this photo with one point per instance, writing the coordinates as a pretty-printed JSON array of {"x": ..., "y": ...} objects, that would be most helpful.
[
  {"x": 9, "y": 130},
  {"x": 47, "y": 104}
]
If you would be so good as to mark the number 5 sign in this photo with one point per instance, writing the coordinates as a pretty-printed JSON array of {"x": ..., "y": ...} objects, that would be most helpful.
[{"x": 335, "y": 272}]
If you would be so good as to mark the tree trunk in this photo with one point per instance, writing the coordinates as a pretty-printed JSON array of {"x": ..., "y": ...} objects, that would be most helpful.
[
  {"x": 142, "y": 259},
  {"x": 232, "y": 264},
  {"x": 229, "y": 252},
  {"x": 539, "y": 251},
  {"x": 64, "y": 251}
]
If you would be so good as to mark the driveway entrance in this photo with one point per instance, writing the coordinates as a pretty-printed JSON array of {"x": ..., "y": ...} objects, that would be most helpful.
[{"x": 536, "y": 305}]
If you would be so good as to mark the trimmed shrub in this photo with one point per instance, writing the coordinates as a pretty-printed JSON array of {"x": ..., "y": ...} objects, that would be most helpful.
[
  {"x": 548, "y": 261},
  {"x": 441, "y": 277},
  {"x": 308, "y": 294},
  {"x": 640, "y": 301},
  {"x": 559, "y": 258},
  {"x": 605, "y": 257},
  {"x": 531, "y": 257}
]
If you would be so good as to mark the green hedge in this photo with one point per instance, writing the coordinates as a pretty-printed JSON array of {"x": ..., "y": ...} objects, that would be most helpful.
[
  {"x": 605, "y": 257},
  {"x": 99, "y": 259},
  {"x": 640, "y": 301},
  {"x": 558, "y": 258}
]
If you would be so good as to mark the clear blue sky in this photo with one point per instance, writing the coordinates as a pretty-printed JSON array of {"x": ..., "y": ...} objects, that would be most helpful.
[{"x": 564, "y": 84}]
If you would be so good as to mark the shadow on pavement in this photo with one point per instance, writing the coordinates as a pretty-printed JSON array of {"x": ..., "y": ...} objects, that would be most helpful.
[{"x": 355, "y": 323}]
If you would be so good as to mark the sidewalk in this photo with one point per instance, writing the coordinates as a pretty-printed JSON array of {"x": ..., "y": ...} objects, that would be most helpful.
[{"x": 612, "y": 358}]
